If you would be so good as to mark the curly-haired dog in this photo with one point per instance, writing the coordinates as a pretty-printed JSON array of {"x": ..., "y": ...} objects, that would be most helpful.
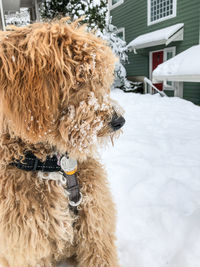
[{"x": 55, "y": 106}]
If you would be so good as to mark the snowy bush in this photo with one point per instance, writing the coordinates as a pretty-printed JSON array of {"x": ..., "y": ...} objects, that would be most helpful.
[
  {"x": 94, "y": 12},
  {"x": 54, "y": 8},
  {"x": 118, "y": 47},
  {"x": 19, "y": 18}
]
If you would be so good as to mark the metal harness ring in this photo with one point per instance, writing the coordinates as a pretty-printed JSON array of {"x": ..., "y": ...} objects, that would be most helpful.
[{"x": 75, "y": 204}]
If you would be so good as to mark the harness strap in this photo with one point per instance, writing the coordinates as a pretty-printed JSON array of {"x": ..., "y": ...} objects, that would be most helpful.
[
  {"x": 73, "y": 192},
  {"x": 32, "y": 163},
  {"x": 52, "y": 164}
]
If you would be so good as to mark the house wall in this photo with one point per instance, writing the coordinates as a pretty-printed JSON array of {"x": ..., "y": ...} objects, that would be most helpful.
[{"x": 132, "y": 15}]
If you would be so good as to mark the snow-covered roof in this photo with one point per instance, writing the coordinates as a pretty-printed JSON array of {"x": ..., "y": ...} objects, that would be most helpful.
[
  {"x": 183, "y": 67},
  {"x": 162, "y": 36}
]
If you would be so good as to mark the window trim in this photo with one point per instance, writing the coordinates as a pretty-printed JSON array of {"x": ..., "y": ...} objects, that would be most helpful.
[
  {"x": 122, "y": 29},
  {"x": 116, "y": 4},
  {"x": 149, "y": 22},
  {"x": 165, "y": 50}
]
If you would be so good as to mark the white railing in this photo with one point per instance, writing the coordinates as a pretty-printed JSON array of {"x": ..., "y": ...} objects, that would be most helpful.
[{"x": 149, "y": 82}]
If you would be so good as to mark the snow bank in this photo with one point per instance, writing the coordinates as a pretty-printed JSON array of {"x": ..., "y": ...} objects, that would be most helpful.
[
  {"x": 154, "y": 172},
  {"x": 21, "y": 18}
]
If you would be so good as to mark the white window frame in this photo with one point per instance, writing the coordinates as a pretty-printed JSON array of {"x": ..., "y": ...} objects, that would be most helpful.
[
  {"x": 121, "y": 30},
  {"x": 165, "y": 50},
  {"x": 111, "y": 6},
  {"x": 149, "y": 22}
]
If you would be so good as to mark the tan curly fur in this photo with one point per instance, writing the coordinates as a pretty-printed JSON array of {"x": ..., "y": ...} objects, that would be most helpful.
[{"x": 55, "y": 82}]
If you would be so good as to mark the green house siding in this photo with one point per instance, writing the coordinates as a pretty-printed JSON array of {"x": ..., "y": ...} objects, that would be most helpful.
[
  {"x": 192, "y": 92},
  {"x": 138, "y": 65},
  {"x": 132, "y": 15}
]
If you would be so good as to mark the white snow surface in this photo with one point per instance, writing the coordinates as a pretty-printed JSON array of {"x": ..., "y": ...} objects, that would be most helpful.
[
  {"x": 183, "y": 67},
  {"x": 159, "y": 35},
  {"x": 154, "y": 174}
]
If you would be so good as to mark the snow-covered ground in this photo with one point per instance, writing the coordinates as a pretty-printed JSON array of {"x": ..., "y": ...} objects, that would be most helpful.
[{"x": 154, "y": 171}]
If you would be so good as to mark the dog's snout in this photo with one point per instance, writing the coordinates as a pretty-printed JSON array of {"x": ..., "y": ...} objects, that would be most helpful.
[{"x": 117, "y": 122}]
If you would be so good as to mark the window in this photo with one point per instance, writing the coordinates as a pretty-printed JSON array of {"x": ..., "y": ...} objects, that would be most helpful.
[
  {"x": 159, "y": 10},
  {"x": 115, "y": 3},
  {"x": 167, "y": 54},
  {"x": 121, "y": 33}
]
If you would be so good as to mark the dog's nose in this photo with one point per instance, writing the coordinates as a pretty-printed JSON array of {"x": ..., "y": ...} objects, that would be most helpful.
[{"x": 117, "y": 122}]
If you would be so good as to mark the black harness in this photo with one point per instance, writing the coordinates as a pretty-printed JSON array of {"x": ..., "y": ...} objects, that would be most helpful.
[{"x": 52, "y": 164}]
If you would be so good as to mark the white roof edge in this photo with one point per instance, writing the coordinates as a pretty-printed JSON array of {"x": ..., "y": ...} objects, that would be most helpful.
[
  {"x": 184, "y": 67},
  {"x": 158, "y": 37},
  {"x": 149, "y": 44},
  {"x": 178, "y": 36},
  {"x": 175, "y": 78}
]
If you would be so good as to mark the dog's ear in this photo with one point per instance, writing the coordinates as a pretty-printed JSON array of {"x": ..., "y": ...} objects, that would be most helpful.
[{"x": 31, "y": 78}]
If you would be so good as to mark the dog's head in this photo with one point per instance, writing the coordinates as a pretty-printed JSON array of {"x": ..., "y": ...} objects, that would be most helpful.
[{"x": 55, "y": 84}]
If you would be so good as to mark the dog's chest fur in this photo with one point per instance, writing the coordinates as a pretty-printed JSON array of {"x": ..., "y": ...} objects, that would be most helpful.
[
  {"x": 39, "y": 208},
  {"x": 50, "y": 176}
]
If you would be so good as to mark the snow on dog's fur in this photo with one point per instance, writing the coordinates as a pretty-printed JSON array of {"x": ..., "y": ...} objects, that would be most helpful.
[{"x": 55, "y": 80}]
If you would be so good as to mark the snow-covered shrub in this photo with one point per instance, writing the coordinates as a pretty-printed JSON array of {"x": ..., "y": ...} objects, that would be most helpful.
[
  {"x": 54, "y": 8},
  {"x": 94, "y": 11},
  {"x": 118, "y": 47},
  {"x": 21, "y": 18}
]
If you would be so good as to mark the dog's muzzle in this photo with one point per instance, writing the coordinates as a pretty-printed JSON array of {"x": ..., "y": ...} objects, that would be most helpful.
[{"x": 117, "y": 122}]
